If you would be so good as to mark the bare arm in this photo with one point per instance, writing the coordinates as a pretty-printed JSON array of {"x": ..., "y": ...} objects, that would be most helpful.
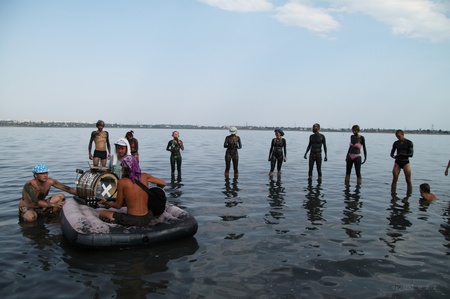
[{"x": 63, "y": 187}]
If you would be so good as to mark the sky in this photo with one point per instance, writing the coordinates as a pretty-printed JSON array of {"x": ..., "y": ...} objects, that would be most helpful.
[{"x": 283, "y": 63}]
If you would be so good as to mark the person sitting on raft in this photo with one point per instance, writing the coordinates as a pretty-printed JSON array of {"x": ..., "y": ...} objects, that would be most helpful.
[
  {"x": 35, "y": 191},
  {"x": 137, "y": 199}
]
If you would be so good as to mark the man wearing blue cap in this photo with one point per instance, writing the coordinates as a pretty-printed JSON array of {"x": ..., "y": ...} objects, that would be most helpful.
[{"x": 34, "y": 199}]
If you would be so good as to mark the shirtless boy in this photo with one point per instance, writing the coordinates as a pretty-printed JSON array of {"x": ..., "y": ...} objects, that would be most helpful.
[
  {"x": 101, "y": 140},
  {"x": 35, "y": 191}
]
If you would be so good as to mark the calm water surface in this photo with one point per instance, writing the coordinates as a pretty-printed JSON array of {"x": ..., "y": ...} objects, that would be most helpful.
[{"x": 258, "y": 237}]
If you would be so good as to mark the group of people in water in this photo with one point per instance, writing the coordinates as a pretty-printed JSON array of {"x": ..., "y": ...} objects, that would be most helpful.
[{"x": 124, "y": 163}]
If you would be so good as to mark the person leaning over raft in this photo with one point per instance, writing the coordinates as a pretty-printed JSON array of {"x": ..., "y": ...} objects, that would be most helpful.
[
  {"x": 137, "y": 199},
  {"x": 405, "y": 150},
  {"x": 232, "y": 144},
  {"x": 134, "y": 144},
  {"x": 35, "y": 191},
  {"x": 101, "y": 140},
  {"x": 276, "y": 151},
  {"x": 174, "y": 146}
]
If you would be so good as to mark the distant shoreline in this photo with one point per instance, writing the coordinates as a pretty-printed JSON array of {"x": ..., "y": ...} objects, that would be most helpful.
[{"x": 61, "y": 124}]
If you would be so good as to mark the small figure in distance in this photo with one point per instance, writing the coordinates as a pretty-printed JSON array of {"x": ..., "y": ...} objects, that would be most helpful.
[
  {"x": 134, "y": 144},
  {"x": 276, "y": 155},
  {"x": 316, "y": 141},
  {"x": 232, "y": 144},
  {"x": 137, "y": 199},
  {"x": 354, "y": 155},
  {"x": 425, "y": 192},
  {"x": 35, "y": 191},
  {"x": 405, "y": 150},
  {"x": 446, "y": 169},
  {"x": 122, "y": 149},
  {"x": 101, "y": 140},
  {"x": 174, "y": 146}
]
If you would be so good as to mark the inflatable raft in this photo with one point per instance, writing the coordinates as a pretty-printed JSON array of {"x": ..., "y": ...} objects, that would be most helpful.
[{"x": 81, "y": 226}]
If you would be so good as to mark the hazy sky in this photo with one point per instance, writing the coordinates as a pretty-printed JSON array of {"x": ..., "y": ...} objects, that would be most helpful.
[{"x": 376, "y": 63}]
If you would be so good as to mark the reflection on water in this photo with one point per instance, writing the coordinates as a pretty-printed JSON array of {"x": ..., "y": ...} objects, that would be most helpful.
[
  {"x": 276, "y": 200},
  {"x": 133, "y": 272},
  {"x": 445, "y": 227},
  {"x": 314, "y": 204},
  {"x": 351, "y": 210},
  {"x": 231, "y": 192},
  {"x": 398, "y": 221}
]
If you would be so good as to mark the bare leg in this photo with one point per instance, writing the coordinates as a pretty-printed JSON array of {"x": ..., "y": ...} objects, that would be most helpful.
[
  {"x": 407, "y": 171},
  {"x": 395, "y": 173}
]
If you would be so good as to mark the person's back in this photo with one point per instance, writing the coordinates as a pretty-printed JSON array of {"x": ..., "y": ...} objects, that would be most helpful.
[{"x": 136, "y": 198}]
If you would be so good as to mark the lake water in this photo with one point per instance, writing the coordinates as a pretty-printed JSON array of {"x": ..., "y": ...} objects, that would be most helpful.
[{"x": 258, "y": 237}]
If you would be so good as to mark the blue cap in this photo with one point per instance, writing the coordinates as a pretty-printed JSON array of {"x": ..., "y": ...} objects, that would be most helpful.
[{"x": 40, "y": 168}]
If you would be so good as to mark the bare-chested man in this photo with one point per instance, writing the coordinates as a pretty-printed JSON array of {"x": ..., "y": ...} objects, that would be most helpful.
[
  {"x": 137, "y": 199},
  {"x": 101, "y": 140},
  {"x": 35, "y": 191}
]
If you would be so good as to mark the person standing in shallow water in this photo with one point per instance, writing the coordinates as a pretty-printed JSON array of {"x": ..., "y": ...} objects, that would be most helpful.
[
  {"x": 134, "y": 144},
  {"x": 101, "y": 140},
  {"x": 174, "y": 146},
  {"x": 232, "y": 144},
  {"x": 404, "y": 150},
  {"x": 316, "y": 141},
  {"x": 354, "y": 155},
  {"x": 276, "y": 155}
]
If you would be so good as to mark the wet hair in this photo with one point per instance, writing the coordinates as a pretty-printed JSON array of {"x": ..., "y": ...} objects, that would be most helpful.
[
  {"x": 399, "y": 132},
  {"x": 316, "y": 124},
  {"x": 425, "y": 188},
  {"x": 356, "y": 128},
  {"x": 129, "y": 134}
]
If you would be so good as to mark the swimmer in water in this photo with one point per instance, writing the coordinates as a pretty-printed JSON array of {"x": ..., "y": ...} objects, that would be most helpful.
[{"x": 425, "y": 192}]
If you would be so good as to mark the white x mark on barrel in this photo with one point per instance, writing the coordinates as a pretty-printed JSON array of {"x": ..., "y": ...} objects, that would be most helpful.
[{"x": 106, "y": 189}]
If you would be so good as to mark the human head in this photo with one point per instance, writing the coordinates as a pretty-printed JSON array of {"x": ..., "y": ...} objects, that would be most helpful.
[
  {"x": 129, "y": 135},
  {"x": 40, "y": 168},
  {"x": 425, "y": 188},
  {"x": 122, "y": 148},
  {"x": 355, "y": 129},
  {"x": 400, "y": 134},
  {"x": 175, "y": 134},
  {"x": 315, "y": 127},
  {"x": 130, "y": 168},
  {"x": 100, "y": 123},
  {"x": 233, "y": 130},
  {"x": 279, "y": 131}
]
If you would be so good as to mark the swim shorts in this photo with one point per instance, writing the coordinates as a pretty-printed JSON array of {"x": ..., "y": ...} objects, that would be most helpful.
[
  {"x": 100, "y": 154},
  {"x": 401, "y": 163},
  {"x": 132, "y": 220}
]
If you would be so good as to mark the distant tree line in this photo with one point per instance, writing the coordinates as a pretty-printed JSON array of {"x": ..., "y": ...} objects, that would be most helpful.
[{"x": 68, "y": 124}]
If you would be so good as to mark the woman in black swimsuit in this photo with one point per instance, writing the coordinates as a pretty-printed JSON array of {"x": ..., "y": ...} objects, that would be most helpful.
[
  {"x": 174, "y": 146},
  {"x": 405, "y": 150},
  {"x": 276, "y": 155}
]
